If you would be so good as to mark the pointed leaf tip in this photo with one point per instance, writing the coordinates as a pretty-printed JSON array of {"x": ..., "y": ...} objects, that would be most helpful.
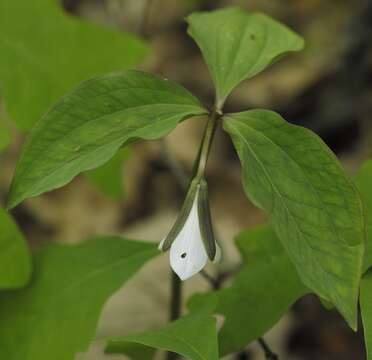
[
  {"x": 193, "y": 337},
  {"x": 316, "y": 211},
  {"x": 237, "y": 45},
  {"x": 114, "y": 110}
]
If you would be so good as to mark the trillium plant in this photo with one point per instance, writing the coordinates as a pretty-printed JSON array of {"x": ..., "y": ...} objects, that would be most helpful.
[{"x": 313, "y": 242}]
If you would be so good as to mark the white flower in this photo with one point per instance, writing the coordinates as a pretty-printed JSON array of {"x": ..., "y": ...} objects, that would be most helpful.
[{"x": 191, "y": 239}]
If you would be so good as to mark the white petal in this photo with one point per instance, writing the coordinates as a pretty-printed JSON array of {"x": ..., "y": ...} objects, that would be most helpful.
[{"x": 187, "y": 253}]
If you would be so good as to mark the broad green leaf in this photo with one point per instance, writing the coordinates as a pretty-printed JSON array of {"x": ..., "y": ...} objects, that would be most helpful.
[
  {"x": 364, "y": 184},
  {"x": 366, "y": 310},
  {"x": 258, "y": 244},
  {"x": 4, "y": 134},
  {"x": 15, "y": 262},
  {"x": 133, "y": 351},
  {"x": 44, "y": 52},
  {"x": 237, "y": 45},
  {"x": 261, "y": 293},
  {"x": 193, "y": 336},
  {"x": 90, "y": 124},
  {"x": 108, "y": 178},
  {"x": 56, "y": 315},
  {"x": 316, "y": 211}
]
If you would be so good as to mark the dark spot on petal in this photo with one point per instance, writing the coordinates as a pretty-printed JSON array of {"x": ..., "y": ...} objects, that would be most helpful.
[{"x": 183, "y": 255}]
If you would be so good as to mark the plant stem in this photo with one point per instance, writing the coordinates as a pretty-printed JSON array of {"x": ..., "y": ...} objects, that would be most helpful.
[
  {"x": 179, "y": 174},
  {"x": 175, "y": 305},
  {"x": 217, "y": 281},
  {"x": 269, "y": 354},
  {"x": 176, "y": 297},
  {"x": 205, "y": 148},
  {"x": 213, "y": 282},
  {"x": 182, "y": 178}
]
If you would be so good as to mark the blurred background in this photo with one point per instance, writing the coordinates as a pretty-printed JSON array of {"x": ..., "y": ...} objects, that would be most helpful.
[{"x": 327, "y": 88}]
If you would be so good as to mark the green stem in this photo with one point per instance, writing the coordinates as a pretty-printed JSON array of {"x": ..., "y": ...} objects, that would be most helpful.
[
  {"x": 269, "y": 354},
  {"x": 209, "y": 132},
  {"x": 175, "y": 305},
  {"x": 176, "y": 284},
  {"x": 176, "y": 297}
]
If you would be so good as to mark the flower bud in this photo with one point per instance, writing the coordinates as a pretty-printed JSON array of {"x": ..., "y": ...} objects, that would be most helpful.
[{"x": 191, "y": 239}]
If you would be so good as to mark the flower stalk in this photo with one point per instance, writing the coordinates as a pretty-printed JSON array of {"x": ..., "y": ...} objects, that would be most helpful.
[{"x": 206, "y": 144}]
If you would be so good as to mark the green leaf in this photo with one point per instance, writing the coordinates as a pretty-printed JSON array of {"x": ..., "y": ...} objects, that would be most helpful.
[
  {"x": 366, "y": 309},
  {"x": 249, "y": 308},
  {"x": 108, "y": 178},
  {"x": 316, "y": 211},
  {"x": 44, "y": 52},
  {"x": 237, "y": 45},
  {"x": 133, "y": 351},
  {"x": 363, "y": 182},
  {"x": 56, "y": 315},
  {"x": 193, "y": 336},
  {"x": 90, "y": 124},
  {"x": 259, "y": 244},
  {"x": 15, "y": 262},
  {"x": 4, "y": 134}
]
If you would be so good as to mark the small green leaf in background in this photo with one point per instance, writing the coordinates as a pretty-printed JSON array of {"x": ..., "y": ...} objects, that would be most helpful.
[
  {"x": 366, "y": 309},
  {"x": 192, "y": 336},
  {"x": 90, "y": 124},
  {"x": 364, "y": 184},
  {"x": 316, "y": 211},
  {"x": 44, "y": 52},
  {"x": 261, "y": 293},
  {"x": 237, "y": 45},
  {"x": 15, "y": 260},
  {"x": 56, "y": 315},
  {"x": 108, "y": 178},
  {"x": 4, "y": 134}
]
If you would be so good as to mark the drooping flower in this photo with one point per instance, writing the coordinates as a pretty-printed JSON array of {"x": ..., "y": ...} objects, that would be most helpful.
[{"x": 191, "y": 239}]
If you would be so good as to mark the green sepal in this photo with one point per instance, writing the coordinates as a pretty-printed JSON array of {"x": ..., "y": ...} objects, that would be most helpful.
[
  {"x": 204, "y": 214},
  {"x": 182, "y": 216}
]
